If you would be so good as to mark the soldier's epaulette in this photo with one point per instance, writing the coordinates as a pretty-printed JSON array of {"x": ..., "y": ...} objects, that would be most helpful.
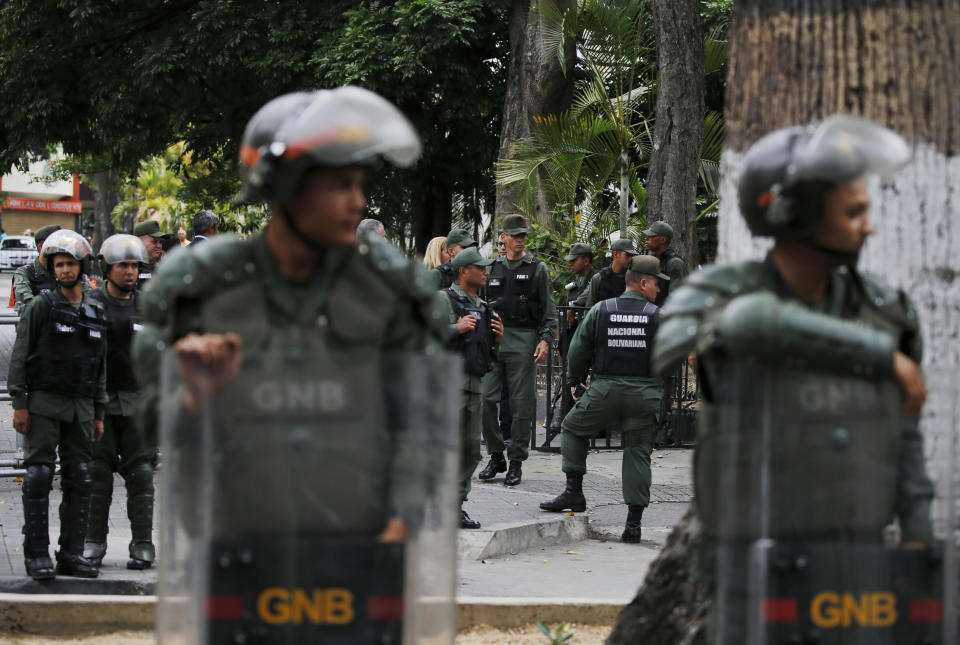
[
  {"x": 191, "y": 273},
  {"x": 707, "y": 288}
]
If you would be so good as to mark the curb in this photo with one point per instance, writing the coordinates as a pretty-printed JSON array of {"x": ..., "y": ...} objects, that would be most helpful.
[
  {"x": 60, "y": 615},
  {"x": 510, "y": 539}
]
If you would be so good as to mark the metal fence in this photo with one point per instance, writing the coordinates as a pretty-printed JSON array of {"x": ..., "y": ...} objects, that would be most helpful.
[{"x": 678, "y": 418}]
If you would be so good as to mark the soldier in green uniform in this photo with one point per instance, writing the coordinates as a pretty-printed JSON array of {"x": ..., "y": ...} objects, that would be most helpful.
[
  {"x": 305, "y": 287},
  {"x": 806, "y": 307},
  {"x": 152, "y": 237},
  {"x": 659, "y": 237},
  {"x": 518, "y": 289},
  {"x": 476, "y": 330},
  {"x": 30, "y": 279},
  {"x": 580, "y": 262},
  {"x": 609, "y": 281},
  {"x": 57, "y": 381},
  {"x": 458, "y": 239},
  {"x": 122, "y": 449},
  {"x": 617, "y": 337}
]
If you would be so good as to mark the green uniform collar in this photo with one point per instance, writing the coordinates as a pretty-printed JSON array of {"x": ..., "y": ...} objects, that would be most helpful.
[{"x": 123, "y": 302}]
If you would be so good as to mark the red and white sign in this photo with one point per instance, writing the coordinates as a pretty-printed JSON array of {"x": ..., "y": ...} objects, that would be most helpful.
[{"x": 16, "y": 203}]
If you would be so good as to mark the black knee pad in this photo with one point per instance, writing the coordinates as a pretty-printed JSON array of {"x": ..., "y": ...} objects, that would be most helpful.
[
  {"x": 76, "y": 475},
  {"x": 38, "y": 480},
  {"x": 139, "y": 476},
  {"x": 100, "y": 471}
]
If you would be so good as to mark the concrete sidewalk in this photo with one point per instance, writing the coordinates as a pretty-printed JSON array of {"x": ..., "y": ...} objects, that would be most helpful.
[{"x": 521, "y": 560}]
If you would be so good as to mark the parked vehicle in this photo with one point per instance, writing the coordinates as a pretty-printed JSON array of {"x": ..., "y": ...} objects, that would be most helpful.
[{"x": 17, "y": 250}]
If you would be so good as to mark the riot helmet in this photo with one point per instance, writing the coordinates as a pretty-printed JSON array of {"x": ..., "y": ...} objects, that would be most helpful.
[
  {"x": 69, "y": 243},
  {"x": 298, "y": 132},
  {"x": 121, "y": 248},
  {"x": 787, "y": 173}
]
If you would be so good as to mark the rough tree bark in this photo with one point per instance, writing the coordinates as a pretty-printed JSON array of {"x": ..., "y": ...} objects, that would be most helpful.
[
  {"x": 104, "y": 183},
  {"x": 794, "y": 61},
  {"x": 678, "y": 135},
  {"x": 536, "y": 86}
]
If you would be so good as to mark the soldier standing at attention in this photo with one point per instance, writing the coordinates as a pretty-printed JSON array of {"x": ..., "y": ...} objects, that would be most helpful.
[
  {"x": 458, "y": 239},
  {"x": 807, "y": 313},
  {"x": 306, "y": 287},
  {"x": 518, "y": 289},
  {"x": 617, "y": 337},
  {"x": 477, "y": 330},
  {"x": 30, "y": 279},
  {"x": 659, "y": 237},
  {"x": 609, "y": 281},
  {"x": 57, "y": 381},
  {"x": 152, "y": 238},
  {"x": 123, "y": 449}
]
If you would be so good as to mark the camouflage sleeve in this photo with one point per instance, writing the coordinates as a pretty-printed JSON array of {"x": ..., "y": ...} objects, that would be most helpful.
[
  {"x": 580, "y": 354},
  {"x": 21, "y": 286},
  {"x": 547, "y": 328},
  {"x": 678, "y": 270},
  {"x": 593, "y": 291}
]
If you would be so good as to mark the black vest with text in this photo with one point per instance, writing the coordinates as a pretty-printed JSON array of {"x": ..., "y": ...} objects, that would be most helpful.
[
  {"x": 513, "y": 294},
  {"x": 625, "y": 331},
  {"x": 476, "y": 346},
  {"x": 66, "y": 356},
  {"x": 612, "y": 285},
  {"x": 122, "y": 322},
  {"x": 38, "y": 282}
]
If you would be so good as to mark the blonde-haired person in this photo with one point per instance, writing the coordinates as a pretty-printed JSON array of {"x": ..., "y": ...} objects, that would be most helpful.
[{"x": 436, "y": 253}]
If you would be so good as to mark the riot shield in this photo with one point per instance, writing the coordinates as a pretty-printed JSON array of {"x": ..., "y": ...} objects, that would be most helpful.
[
  {"x": 277, "y": 489},
  {"x": 817, "y": 505}
]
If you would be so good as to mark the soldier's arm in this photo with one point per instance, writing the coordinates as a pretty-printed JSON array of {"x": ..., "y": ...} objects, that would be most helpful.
[
  {"x": 28, "y": 330},
  {"x": 21, "y": 286},
  {"x": 593, "y": 291},
  {"x": 580, "y": 354},
  {"x": 914, "y": 488},
  {"x": 100, "y": 399},
  {"x": 678, "y": 272},
  {"x": 548, "y": 320}
]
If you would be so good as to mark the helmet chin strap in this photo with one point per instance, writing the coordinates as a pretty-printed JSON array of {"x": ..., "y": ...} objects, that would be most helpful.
[
  {"x": 122, "y": 287},
  {"x": 68, "y": 284},
  {"x": 849, "y": 258},
  {"x": 313, "y": 244}
]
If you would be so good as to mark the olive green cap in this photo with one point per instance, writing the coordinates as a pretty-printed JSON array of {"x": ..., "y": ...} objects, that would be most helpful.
[
  {"x": 578, "y": 249},
  {"x": 44, "y": 232},
  {"x": 460, "y": 236},
  {"x": 469, "y": 257},
  {"x": 659, "y": 228},
  {"x": 151, "y": 227},
  {"x": 628, "y": 245},
  {"x": 514, "y": 224},
  {"x": 648, "y": 265}
]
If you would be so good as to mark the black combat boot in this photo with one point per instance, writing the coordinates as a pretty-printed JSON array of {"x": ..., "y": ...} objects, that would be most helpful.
[
  {"x": 570, "y": 499},
  {"x": 497, "y": 464},
  {"x": 74, "y": 509},
  {"x": 140, "y": 511},
  {"x": 466, "y": 522},
  {"x": 514, "y": 473},
  {"x": 631, "y": 532},
  {"x": 36, "y": 536}
]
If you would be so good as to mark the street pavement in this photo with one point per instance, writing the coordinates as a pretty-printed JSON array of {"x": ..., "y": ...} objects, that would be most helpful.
[{"x": 599, "y": 567}]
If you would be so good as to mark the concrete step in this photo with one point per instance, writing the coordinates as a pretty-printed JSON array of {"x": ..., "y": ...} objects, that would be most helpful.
[{"x": 496, "y": 540}]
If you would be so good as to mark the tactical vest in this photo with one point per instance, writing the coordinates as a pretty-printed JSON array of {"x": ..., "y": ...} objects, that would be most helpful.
[
  {"x": 146, "y": 272},
  {"x": 122, "y": 322},
  {"x": 612, "y": 285},
  {"x": 66, "y": 356},
  {"x": 665, "y": 284},
  {"x": 38, "y": 282},
  {"x": 513, "y": 294},
  {"x": 477, "y": 344},
  {"x": 446, "y": 275},
  {"x": 624, "y": 343}
]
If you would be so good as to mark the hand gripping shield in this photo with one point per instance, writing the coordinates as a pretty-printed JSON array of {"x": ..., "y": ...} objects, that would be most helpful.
[
  {"x": 277, "y": 492},
  {"x": 816, "y": 504}
]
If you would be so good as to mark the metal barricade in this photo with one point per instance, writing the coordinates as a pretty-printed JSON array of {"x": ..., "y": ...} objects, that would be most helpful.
[{"x": 678, "y": 419}]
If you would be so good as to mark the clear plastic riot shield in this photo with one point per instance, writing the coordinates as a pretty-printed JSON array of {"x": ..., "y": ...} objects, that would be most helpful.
[
  {"x": 831, "y": 523},
  {"x": 310, "y": 501}
]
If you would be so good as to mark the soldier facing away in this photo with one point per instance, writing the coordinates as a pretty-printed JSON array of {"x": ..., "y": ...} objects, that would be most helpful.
[
  {"x": 57, "y": 381},
  {"x": 803, "y": 319}
]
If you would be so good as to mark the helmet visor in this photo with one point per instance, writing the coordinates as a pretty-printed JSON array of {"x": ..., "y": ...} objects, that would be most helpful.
[{"x": 846, "y": 147}]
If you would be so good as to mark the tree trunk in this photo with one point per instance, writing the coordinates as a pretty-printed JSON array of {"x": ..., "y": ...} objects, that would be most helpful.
[
  {"x": 678, "y": 134},
  {"x": 794, "y": 61},
  {"x": 104, "y": 183},
  {"x": 536, "y": 86}
]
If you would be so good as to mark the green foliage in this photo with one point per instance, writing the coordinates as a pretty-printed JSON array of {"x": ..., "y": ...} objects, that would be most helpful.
[{"x": 559, "y": 635}]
